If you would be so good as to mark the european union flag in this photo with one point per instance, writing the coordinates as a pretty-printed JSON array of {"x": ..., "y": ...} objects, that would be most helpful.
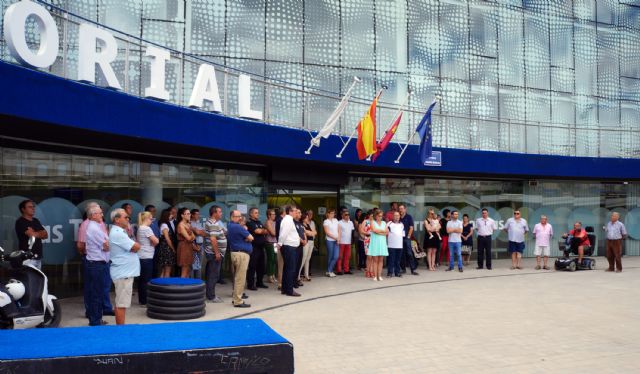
[{"x": 426, "y": 137}]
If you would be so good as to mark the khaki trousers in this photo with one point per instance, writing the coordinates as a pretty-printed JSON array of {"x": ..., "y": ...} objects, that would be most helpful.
[
  {"x": 280, "y": 266},
  {"x": 239, "y": 262}
]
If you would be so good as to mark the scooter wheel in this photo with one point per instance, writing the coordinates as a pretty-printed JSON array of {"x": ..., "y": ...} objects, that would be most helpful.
[
  {"x": 573, "y": 266},
  {"x": 592, "y": 265},
  {"x": 53, "y": 321}
]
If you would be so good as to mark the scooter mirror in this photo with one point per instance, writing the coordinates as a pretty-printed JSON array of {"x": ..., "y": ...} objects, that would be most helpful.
[{"x": 31, "y": 242}]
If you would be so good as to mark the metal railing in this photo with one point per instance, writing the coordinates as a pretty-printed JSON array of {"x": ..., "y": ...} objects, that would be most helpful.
[{"x": 291, "y": 105}]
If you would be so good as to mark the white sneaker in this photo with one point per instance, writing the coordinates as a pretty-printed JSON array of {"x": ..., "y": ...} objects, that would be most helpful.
[
  {"x": 332, "y": 274},
  {"x": 380, "y": 278},
  {"x": 375, "y": 279}
]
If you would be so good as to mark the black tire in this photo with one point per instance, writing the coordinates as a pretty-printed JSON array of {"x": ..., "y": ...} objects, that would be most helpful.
[
  {"x": 573, "y": 266},
  {"x": 53, "y": 321},
  {"x": 175, "y": 288},
  {"x": 175, "y": 317},
  {"x": 198, "y": 295},
  {"x": 175, "y": 310},
  {"x": 152, "y": 302},
  {"x": 592, "y": 265}
]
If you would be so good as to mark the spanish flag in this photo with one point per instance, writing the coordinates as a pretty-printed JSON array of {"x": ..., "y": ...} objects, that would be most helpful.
[
  {"x": 366, "y": 144},
  {"x": 388, "y": 135}
]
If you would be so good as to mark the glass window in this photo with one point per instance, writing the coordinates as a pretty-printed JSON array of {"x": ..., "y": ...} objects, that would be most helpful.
[{"x": 61, "y": 201}]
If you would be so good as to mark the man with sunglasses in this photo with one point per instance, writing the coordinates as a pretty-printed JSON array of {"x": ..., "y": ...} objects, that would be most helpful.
[{"x": 516, "y": 227}]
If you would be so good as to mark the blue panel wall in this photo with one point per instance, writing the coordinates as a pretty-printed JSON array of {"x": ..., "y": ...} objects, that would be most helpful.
[{"x": 42, "y": 97}]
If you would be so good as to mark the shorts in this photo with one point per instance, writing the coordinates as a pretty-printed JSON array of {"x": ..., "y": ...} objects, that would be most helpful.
[
  {"x": 516, "y": 247},
  {"x": 124, "y": 287},
  {"x": 542, "y": 250}
]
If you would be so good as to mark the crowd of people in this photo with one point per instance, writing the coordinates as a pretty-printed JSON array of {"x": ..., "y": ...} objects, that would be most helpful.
[{"x": 180, "y": 243}]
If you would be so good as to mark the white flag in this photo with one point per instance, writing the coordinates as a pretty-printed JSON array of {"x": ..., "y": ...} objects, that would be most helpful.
[{"x": 327, "y": 129}]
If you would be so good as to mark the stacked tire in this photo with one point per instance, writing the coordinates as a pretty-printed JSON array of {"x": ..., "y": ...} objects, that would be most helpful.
[{"x": 175, "y": 298}]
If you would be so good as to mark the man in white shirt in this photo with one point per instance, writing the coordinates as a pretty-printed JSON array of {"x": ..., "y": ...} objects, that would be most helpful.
[
  {"x": 485, "y": 227},
  {"x": 394, "y": 243},
  {"x": 454, "y": 229},
  {"x": 344, "y": 241},
  {"x": 516, "y": 227},
  {"x": 288, "y": 242},
  {"x": 543, "y": 232}
]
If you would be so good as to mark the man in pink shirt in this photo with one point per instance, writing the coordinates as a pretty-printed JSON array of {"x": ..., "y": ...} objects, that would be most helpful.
[{"x": 543, "y": 232}]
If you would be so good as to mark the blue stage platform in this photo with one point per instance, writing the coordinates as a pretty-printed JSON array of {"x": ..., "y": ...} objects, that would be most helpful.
[{"x": 242, "y": 346}]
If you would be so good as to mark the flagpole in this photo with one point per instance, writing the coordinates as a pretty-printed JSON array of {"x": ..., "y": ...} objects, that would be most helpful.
[
  {"x": 397, "y": 161},
  {"x": 315, "y": 141},
  {"x": 398, "y": 112},
  {"x": 339, "y": 155}
]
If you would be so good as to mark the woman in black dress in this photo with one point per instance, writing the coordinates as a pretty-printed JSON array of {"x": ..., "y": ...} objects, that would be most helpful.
[{"x": 166, "y": 250}]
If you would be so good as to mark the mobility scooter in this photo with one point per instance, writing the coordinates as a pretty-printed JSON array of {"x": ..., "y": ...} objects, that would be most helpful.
[{"x": 570, "y": 246}]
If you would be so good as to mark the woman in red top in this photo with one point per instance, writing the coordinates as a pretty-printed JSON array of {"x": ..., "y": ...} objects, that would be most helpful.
[{"x": 580, "y": 238}]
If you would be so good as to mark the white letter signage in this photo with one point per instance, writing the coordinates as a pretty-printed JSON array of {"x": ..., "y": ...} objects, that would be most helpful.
[
  {"x": 89, "y": 57},
  {"x": 206, "y": 89},
  {"x": 244, "y": 99},
  {"x": 15, "y": 20},
  {"x": 156, "y": 88}
]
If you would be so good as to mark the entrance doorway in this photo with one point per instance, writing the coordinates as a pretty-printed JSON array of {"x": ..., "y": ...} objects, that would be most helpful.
[{"x": 315, "y": 199}]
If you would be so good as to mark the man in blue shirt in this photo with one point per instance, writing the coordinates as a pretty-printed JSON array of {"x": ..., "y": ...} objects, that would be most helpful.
[
  {"x": 125, "y": 264},
  {"x": 407, "y": 221},
  {"x": 239, "y": 244}
]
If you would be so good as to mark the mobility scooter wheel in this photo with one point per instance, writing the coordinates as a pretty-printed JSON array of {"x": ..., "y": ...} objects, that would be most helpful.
[
  {"x": 592, "y": 265},
  {"x": 573, "y": 266}
]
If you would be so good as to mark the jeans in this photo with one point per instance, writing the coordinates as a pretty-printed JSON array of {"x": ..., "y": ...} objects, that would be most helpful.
[
  {"x": 362, "y": 256},
  {"x": 289, "y": 256},
  {"x": 408, "y": 254},
  {"x": 146, "y": 274},
  {"x": 212, "y": 272},
  {"x": 393, "y": 261},
  {"x": 332, "y": 255},
  {"x": 96, "y": 280},
  {"x": 255, "y": 271},
  {"x": 86, "y": 284},
  {"x": 106, "y": 297},
  {"x": 455, "y": 248}
]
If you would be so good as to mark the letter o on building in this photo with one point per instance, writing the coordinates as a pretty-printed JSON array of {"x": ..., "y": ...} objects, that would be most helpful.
[{"x": 14, "y": 30}]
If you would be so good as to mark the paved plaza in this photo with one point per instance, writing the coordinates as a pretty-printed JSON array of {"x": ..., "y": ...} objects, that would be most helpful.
[{"x": 498, "y": 321}]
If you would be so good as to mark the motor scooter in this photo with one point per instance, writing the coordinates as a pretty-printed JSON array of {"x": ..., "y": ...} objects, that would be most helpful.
[{"x": 24, "y": 298}]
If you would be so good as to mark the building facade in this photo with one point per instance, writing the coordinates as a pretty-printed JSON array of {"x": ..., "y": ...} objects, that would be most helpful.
[{"x": 538, "y": 110}]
